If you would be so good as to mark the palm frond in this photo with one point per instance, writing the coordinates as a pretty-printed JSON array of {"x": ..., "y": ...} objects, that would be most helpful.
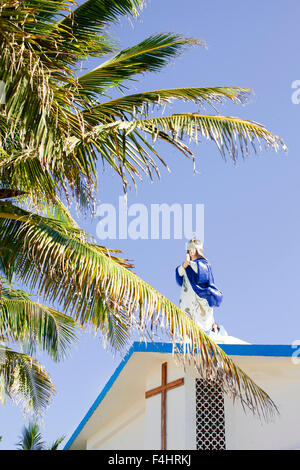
[
  {"x": 12, "y": 228},
  {"x": 150, "y": 55},
  {"x": 232, "y": 135},
  {"x": 58, "y": 211},
  {"x": 75, "y": 177},
  {"x": 31, "y": 438},
  {"x": 122, "y": 145},
  {"x": 56, "y": 443},
  {"x": 33, "y": 325},
  {"x": 92, "y": 17},
  {"x": 46, "y": 11},
  {"x": 140, "y": 103},
  {"x": 24, "y": 380}
]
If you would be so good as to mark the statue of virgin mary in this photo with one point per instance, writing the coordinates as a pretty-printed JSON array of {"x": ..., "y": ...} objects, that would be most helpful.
[{"x": 199, "y": 294}]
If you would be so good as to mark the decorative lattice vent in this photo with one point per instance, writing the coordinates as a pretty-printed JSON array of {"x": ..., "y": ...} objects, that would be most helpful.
[{"x": 210, "y": 416}]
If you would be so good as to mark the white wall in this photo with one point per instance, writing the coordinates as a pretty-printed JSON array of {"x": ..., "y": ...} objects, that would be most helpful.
[
  {"x": 127, "y": 432},
  {"x": 243, "y": 431}
]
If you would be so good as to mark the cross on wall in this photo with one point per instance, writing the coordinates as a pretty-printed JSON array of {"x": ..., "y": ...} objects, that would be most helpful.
[{"x": 163, "y": 388}]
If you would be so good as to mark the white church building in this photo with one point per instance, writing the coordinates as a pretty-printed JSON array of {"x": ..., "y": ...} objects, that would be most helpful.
[{"x": 151, "y": 402}]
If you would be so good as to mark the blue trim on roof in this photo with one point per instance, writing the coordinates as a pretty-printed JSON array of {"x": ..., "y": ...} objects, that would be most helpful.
[{"x": 275, "y": 350}]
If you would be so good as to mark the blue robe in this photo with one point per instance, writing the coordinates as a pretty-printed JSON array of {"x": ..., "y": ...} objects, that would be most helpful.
[{"x": 202, "y": 282}]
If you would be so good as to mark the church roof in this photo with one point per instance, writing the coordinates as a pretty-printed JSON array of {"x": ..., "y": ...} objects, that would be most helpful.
[{"x": 155, "y": 351}]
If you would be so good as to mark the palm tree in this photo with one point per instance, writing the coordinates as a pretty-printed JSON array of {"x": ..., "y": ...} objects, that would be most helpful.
[
  {"x": 56, "y": 123},
  {"x": 31, "y": 439}
]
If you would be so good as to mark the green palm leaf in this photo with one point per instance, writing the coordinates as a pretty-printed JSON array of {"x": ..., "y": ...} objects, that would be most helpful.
[
  {"x": 140, "y": 103},
  {"x": 93, "y": 16},
  {"x": 59, "y": 232},
  {"x": 33, "y": 325},
  {"x": 231, "y": 135},
  {"x": 31, "y": 438},
  {"x": 56, "y": 443},
  {"x": 37, "y": 180},
  {"x": 45, "y": 11},
  {"x": 57, "y": 211},
  {"x": 121, "y": 144},
  {"x": 24, "y": 380},
  {"x": 150, "y": 55}
]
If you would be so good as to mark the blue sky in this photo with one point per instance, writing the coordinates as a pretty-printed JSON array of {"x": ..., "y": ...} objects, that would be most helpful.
[{"x": 252, "y": 219}]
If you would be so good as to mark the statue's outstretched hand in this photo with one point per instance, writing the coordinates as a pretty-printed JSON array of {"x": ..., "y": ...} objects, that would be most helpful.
[{"x": 187, "y": 261}]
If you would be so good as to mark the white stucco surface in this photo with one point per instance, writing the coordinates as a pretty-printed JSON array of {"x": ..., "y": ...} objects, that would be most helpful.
[
  {"x": 280, "y": 378},
  {"x": 124, "y": 432}
]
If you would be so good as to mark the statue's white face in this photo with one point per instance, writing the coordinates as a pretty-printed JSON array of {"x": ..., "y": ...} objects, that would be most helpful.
[{"x": 192, "y": 253}]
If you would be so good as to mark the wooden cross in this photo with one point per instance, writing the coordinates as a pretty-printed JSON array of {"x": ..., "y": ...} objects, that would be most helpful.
[{"x": 163, "y": 388}]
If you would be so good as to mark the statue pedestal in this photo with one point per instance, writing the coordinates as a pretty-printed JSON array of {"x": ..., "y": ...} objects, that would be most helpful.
[{"x": 220, "y": 339}]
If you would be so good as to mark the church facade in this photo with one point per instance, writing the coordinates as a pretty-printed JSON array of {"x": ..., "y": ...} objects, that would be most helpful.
[{"x": 151, "y": 402}]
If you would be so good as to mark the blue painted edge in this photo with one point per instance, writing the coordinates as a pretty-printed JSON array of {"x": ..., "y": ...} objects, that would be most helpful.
[{"x": 276, "y": 350}]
